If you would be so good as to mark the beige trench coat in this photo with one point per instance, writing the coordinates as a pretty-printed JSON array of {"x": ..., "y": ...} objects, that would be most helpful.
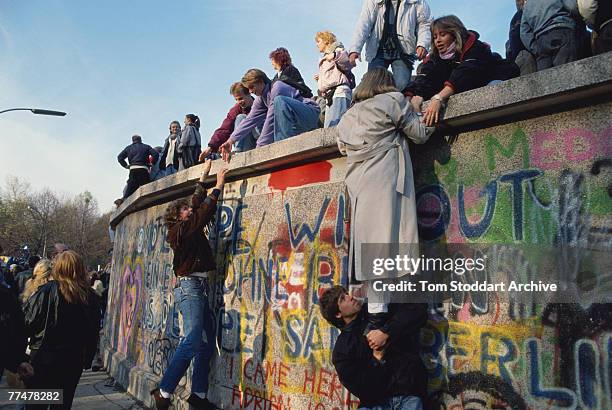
[{"x": 373, "y": 135}]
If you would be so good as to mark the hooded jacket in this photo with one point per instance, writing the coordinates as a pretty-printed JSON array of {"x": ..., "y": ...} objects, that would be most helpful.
[
  {"x": 413, "y": 17},
  {"x": 475, "y": 66}
]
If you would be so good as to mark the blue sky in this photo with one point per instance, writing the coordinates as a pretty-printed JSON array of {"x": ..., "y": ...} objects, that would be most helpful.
[{"x": 125, "y": 67}]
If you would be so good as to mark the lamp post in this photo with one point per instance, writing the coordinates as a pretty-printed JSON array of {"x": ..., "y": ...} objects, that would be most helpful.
[{"x": 37, "y": 111}]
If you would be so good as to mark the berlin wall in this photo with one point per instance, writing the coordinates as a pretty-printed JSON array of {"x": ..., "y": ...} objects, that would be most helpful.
[{"x": 525, "y": 162}]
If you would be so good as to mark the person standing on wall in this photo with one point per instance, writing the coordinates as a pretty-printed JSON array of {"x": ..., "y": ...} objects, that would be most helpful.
[
  {"x": 190, "y": 143},
  {"x": 169, "y": 162},
  {"x": 137, "y": 154},
  {"x": 395, "y": 33},
  {"x": 193, "y": 264}
]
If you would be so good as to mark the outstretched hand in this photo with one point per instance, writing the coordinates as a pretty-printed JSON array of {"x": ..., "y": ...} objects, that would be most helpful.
[
  {"x": 221, "y": 178},
  {"x": 226, "y": 149},
  {"x": 206, "y": 170},
  {"x": 205, "y": 152}
]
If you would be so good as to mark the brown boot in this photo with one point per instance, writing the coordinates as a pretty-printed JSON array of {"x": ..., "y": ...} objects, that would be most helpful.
[{"x": 161, "y": 403}]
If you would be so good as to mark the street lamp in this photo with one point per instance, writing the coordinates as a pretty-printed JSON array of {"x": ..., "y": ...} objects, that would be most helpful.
[{"x": 37, "y": 111}]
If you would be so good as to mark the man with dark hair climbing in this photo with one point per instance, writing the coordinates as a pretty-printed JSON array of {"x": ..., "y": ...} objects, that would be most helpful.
[
  {"x": 193, "y": 264},
  {"x": 382, "y": 368}
]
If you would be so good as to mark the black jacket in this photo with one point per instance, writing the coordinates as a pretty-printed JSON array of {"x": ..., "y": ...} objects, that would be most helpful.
[
  {"x": 603, "y": 14},
  {"x": 175, "y": 160},
  {"x": 475, "y": 66},
  {"x": 61, "y": 332},
  {"x": 291, "y": 75},
  {"x": 515, "y": 45},
  {"x": 137, "y": 153},
  {"x": 13, "y": 339},
  {"x": 22, "y": 278},
  {"x": 400, "y": 373}
]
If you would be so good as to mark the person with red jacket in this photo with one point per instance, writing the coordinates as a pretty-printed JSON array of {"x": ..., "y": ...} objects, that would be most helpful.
[{"x": 244, "y": 102}]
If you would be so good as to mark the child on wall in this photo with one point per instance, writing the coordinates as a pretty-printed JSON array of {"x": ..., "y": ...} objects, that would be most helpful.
[
  {"x": 374, "y": 135},
  {"x": 458, "y": 62},
  {"x": 334, "y": 77}
]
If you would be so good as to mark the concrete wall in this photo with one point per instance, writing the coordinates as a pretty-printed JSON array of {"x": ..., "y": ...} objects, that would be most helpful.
[{"x": 511, "y": 174}]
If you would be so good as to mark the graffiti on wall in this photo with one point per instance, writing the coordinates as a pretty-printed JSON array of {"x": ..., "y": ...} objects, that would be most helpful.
[{"x": 281, "y": 240}]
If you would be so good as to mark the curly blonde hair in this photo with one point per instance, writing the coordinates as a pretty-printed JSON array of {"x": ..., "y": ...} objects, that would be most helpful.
[{"x": 326, "y": 36}]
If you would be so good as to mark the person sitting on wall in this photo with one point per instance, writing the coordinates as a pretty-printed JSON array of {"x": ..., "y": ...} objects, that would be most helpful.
[
  {"x": 169, "y": 162},
  {"x": 287, "y": 72},
  {"x": 382, "y": 368},
  {"x": 279, "y": 109},
  {"x": 137, "y": 154},
  {"x": 458, "y": 62},
  {"x": 193, "y": 263},
  {"x": 237, "y": 114}
]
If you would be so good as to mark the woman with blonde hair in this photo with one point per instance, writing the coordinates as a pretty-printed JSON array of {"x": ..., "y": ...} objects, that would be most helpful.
[
  {"x": 458, "y": 62},
  {"x": 40, "y": 276},
  {"x": 374, "y": 134},
  {"x": 334, "y": 77},
  {"x": 62, "y": 320}
]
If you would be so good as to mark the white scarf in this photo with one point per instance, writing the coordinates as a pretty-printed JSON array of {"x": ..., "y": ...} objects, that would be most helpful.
[{"x": 171, "y": 147}]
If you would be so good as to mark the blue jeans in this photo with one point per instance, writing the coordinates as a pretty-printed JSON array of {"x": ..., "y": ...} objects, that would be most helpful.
[
  {"x": 170, "y": 170},
  {"x": 334, "y": 112},
  {"x": 401, "y": 72},
  {"x": 398, "y": 403},
  {"x": 197, "y": 339},
  {"x": 293, "y": 117},
  {"x": 250, "y": 141}
]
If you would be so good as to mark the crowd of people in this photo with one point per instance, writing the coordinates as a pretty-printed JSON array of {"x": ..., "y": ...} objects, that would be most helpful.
[
  {"x": 54, "y": 306},
  {"x": 50, "y": 321},
  {"x": 376, "y": 354},
  {"x": 392, "y": 34}
]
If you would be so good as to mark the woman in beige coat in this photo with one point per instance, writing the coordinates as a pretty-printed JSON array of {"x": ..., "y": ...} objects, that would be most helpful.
[{"x": 374, "y": 135}]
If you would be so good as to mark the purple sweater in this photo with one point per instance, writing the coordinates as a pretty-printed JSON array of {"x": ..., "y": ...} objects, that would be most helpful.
[{"x": 262, "y": 113}]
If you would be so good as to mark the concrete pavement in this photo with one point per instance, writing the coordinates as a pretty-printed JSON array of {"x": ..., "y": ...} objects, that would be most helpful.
[{"x": 96, "y": 391}]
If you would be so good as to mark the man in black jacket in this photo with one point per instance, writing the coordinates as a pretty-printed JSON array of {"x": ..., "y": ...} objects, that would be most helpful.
[
  {"x": 137, "y": 154},
  {"x": 383, "y": 368}
]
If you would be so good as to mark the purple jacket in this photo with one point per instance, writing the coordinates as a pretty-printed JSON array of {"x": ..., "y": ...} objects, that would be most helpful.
[{"x": 262, "y": 113}]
